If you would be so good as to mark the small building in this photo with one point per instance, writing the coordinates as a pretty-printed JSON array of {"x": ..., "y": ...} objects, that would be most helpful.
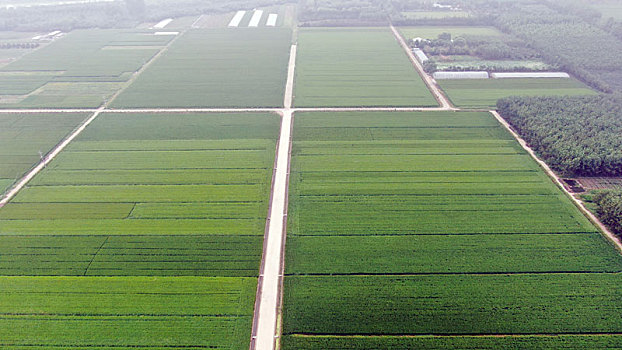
[
  {"x": 529, "y": 75},
  {"x": 421, "y": 56},
  {"x": 442, "y": 6},
  {"x": 461, "y": 75}
]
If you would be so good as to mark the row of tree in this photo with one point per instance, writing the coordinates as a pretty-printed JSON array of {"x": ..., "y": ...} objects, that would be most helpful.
[
  {"x": 15, "y": 45},
  {"x": 565, "y": 40},
  {"x": 574, "y": 135}
]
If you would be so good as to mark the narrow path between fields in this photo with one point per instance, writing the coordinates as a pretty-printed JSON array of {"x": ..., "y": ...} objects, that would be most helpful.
[
  {"x": 270, "y": 284},
  {"x": 615, "y": 240},
  {"x": 429, "y": 82}
]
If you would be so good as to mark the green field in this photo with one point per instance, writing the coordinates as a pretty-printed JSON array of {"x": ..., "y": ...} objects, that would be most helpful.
[
  {"x": 23, "y": 136},
  {"x": 484, "y": 93},
  {"x": 454, "y": 304},
  {"x": 82, "y": 69},
  {"x": 112, "y": 312},
  {"x": 355, "y": 67},
  {"x": 456, "y": 342},
  {"x": 432, "y": 32},
  {"x": 173, "y": 205},
  {"x": 247, "y": 68},
  {"x": 442, "y": 225},
  {"x": 162, "y": 182}
]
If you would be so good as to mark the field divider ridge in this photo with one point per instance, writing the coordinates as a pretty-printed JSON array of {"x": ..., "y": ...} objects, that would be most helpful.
[
  {"x": 429, "y": 82},
  {"x": 579, "y": 204}
]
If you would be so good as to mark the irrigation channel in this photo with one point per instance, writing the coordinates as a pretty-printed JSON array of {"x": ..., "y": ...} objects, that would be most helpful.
[{"x": 268, "y": 304}]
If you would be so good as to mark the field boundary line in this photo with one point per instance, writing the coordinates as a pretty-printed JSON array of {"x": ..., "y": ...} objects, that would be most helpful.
[
  {"x": 578, "y": 203},
  {"x": 453, "y": 335},
  {"x": 429, "y": 82},
  {"x": 231, "y": 110},
  {"x": 45, "y": 160}
]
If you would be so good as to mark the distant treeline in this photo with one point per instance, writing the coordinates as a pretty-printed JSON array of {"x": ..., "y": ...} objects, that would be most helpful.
[
  {"x": 119, "y": 14},
  {"x": 574, "y": 135}
]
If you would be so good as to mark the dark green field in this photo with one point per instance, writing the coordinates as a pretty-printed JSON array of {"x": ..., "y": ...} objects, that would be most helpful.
[
  {"x": 436, "y": 223},
  {"x": 355, "y": 67},
  {"x": 247, "y": 68}
]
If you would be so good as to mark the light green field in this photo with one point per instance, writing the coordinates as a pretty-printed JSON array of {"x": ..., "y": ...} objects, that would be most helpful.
[
  {"x": 173, "y": 205},
  {"x": 216, "y": 68},
  {"x": 168, "y": 180},
  {"x": 23, "y": 136},
  {"x": 484, "y": 93},
  {"x": 105, "y": 312},
  {"x": 432, "y": 32},
  {"x": 355, "y": 67}
]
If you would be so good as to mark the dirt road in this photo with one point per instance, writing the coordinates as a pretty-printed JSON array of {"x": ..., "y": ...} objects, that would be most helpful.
[{"x": 431, "y": 84}]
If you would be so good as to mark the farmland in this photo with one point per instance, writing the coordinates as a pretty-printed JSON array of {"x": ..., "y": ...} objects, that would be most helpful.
[
  {"x": 248, "y": 68},
  {"x": 113, "y": 312},
  {"x": 170, "y": 222},
  {"x": 415, "y": 214},
  {"x": 119, "y": 186},
  {"x": 355, "y": 67},
  {"x": 141, "y": 195},
  {"x": 23, "y": 136},
  {"x": 484, "y": 93},
  {"x": 82, "y": 69}
]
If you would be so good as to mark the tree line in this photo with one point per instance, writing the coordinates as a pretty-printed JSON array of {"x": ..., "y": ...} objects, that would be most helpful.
[{"x": 578, "y": 136}]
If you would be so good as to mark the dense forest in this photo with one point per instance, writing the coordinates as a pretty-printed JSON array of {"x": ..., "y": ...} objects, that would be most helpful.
[{"x": 575, "y": 135}]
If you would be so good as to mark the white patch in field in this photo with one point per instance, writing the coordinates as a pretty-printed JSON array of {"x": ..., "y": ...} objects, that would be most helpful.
[
  {"x": 166, "y": 33},
  {"x": 237, "y": 18},
  {"x": 256, "y": 18},
  {"x": 271, "y": 22},
  {"x": 163, "y": 23}
]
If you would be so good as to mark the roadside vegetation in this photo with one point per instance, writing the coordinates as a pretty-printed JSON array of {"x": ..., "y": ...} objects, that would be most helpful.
[{"x": 609, "y": 208}]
